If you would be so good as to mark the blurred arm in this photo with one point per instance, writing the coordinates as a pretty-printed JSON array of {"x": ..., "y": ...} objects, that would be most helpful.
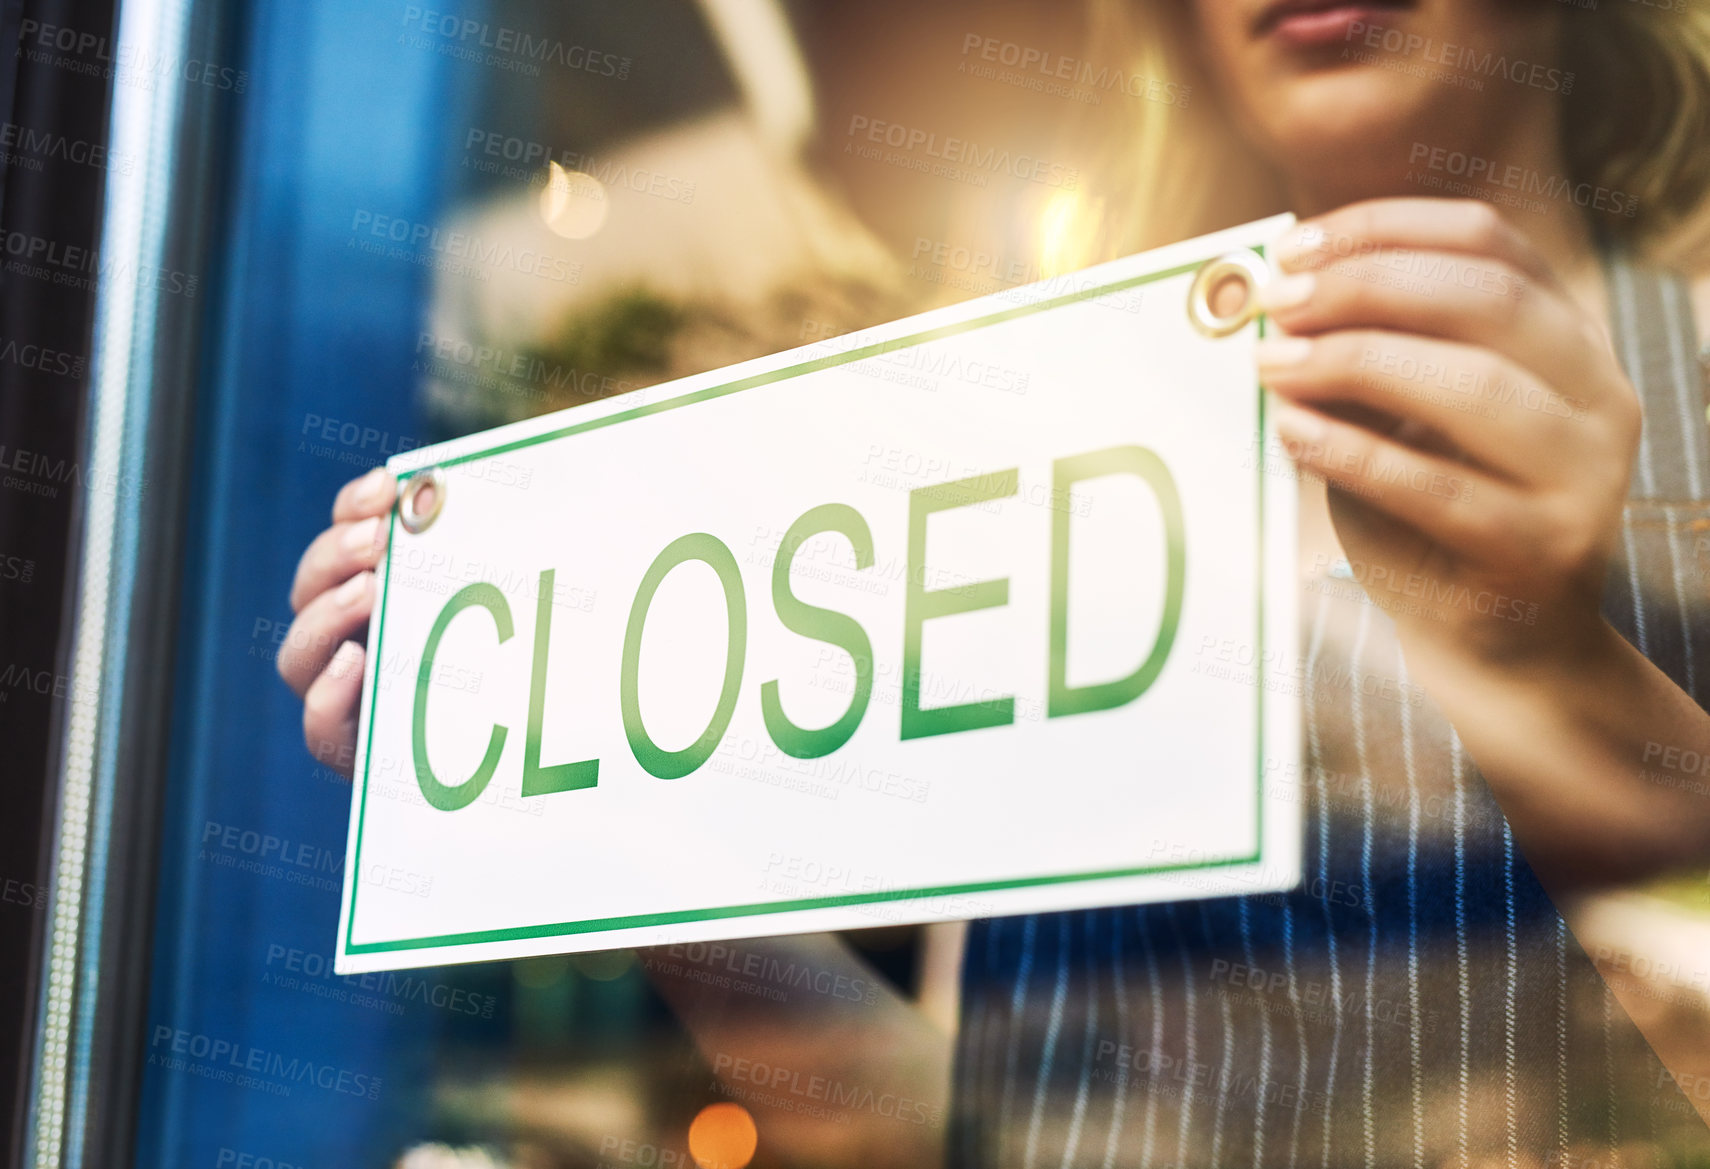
[{"x": 836, "y": 1068}]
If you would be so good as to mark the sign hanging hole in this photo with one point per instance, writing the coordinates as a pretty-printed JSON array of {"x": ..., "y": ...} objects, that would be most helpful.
[
  {"x": 1228, "y": 296},
  {"x": 1223, "y": 298},
  {"x": 421, "y": 498}
]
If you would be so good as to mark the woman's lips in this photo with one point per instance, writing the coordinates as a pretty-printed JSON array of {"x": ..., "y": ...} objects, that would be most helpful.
[{"x": 1316, "y": 25}]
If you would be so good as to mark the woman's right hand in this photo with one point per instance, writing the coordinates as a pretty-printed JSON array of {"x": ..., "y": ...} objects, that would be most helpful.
[{"x": 323, "y": 657}]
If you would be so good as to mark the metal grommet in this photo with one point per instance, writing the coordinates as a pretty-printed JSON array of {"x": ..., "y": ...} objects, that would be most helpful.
[
  {"x": 415, "y": 520},
  {"x": 1243, "y": 266}
]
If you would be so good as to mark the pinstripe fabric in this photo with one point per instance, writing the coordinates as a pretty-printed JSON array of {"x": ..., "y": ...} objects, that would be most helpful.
[{"x": 1418, "y": 1001}]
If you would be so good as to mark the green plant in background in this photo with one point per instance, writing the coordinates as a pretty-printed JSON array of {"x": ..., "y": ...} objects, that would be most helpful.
[
  {"x": 629, "y": 333},
  {"x": 633, "y": 338}
]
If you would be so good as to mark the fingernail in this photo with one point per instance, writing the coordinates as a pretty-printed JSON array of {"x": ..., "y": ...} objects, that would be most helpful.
[
  {"x": 354, "y": 589},
  {"x": 359, "y": 537},
  {"x": 1296, "y": 425},
  {"x": 1299, "y": 243},
  {"x": 372, "y": 489},
  {"x": 347, "y": 661},
  {"x": 1287, "y": 292},
  {"x": 1278, "y": 352}
]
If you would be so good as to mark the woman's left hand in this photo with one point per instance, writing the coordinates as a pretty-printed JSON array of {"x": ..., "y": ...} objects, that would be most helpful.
[{"x": 1469, "y": 416}]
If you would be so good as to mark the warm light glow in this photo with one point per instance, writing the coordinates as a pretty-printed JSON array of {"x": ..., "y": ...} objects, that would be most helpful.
[
  {"x": 572, "y": 203},
  {"x": 1068, "y": 230},
  {"x": 723, "y": 1136}
]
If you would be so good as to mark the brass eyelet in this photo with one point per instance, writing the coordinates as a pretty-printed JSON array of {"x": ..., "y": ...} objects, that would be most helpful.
[
  {"x": 415, "y": 520},
  {"x": 1243, "y": 266}
]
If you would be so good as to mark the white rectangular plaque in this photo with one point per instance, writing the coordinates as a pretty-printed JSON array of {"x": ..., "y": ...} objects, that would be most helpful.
[{"x": 931, "y": 621}]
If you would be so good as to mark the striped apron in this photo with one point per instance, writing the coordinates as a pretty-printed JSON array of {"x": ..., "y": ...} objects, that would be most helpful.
[{"x": 1417, "y": 1001}]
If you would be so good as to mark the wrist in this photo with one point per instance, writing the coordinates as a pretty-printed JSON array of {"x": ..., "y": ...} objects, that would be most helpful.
[{"x": 1554, "y": 642}]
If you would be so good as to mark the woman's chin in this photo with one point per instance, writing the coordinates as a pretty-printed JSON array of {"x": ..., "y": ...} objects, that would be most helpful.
[{"x": 1361, "y": 114}]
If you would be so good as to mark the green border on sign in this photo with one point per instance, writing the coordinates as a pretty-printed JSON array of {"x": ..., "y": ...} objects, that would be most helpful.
[{"x": 598, "y": 925}]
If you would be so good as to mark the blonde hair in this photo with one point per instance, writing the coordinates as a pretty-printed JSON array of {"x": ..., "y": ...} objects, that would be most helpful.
[{"x": 1637, "y": 121}]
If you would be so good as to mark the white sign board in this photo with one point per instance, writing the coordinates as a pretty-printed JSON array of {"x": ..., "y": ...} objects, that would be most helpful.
[{"x": 933, "y": 621}]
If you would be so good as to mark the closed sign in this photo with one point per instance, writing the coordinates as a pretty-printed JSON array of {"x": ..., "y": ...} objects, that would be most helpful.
[{"x": 970, "y": 614}]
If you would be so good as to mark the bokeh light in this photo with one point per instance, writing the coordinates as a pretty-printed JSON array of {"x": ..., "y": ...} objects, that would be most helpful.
[
  {"x": 573, "y": 204},
  {"x": 723, "y": 1136}
]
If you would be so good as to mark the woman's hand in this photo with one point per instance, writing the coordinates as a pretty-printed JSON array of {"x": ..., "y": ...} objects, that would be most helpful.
[
  {"x": 1475, "y": 427},
  {"x": 323, "y": 657},
  {"x": 1478, "y": 436}
]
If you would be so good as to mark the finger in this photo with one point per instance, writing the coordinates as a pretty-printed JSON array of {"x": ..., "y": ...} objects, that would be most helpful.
[
  {"x": 1483, "y": 405},
  {"x": 336, "y": 555},
  {"x": 1452, "y": 298},
  {"x": 1465, "y": 226},
  {"x": 332, "y": 617},
  {"x": 371, "y": 495},
  {"x": 331, "y": 707},
  {"x": 1453, "y": 505}
]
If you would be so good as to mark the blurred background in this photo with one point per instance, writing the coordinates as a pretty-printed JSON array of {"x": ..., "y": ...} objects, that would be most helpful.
[{"x": 408, "y": 223}]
